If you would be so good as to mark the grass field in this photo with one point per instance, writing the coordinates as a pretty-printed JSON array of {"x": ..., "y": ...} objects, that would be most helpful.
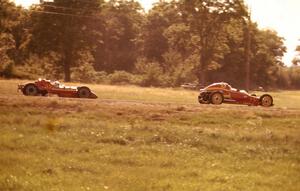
[{"x": 139, "y": 139}]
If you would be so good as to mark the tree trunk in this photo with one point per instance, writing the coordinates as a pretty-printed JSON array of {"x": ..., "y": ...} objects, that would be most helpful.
[
  {"x": 247, "y": 53},
  {"x": 201, "y": 71},
  {"x": 203, "y": 78},
  {"x": 67, "y": 65},
  {"x": 68, "y": 49}
]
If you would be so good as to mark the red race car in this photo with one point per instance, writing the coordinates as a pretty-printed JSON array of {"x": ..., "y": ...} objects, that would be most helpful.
[
  {"x": 219, "y": 93},
  {"x": 43, "y": 87}
]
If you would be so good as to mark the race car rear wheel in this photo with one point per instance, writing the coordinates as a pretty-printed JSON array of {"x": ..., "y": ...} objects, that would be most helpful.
[
  {"x": 266, "y": 100},
  {"x": 216, "y": 98},
  {"x": 84, "y": 92},
  {"x": 30, "y": 90}
]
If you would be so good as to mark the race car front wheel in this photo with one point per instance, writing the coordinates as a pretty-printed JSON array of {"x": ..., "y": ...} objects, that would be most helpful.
[
  {"x": 84, "y": 92},
  {"x": 266, "y": 100},
  {"x": 30, "y": 90},
  {"x": 203, "y": 98},
  {"x": 216, "y": 98}
]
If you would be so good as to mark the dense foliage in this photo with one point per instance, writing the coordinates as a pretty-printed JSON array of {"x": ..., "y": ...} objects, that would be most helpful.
[{"x": 116, "y": 41}]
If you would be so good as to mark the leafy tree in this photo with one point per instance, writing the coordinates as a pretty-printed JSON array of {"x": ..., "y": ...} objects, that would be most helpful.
[
  {"x": 11, "y": 36},
  {"x": 159, "y": 18},
  {"x": 85, "y": 71},
  {"x": 67, "y": 27},
  {"x": 296, "y": 60},
  {"x": 122, "y": 24},
  {"x": 6, "y": 43},
  {"x": 267, "y": 50},
  {"x": 179, "y": 38},
  {"x": 178, "y": 62},
  {"x": 207, "y": 19},
  {"x": 232, "y": 65}
]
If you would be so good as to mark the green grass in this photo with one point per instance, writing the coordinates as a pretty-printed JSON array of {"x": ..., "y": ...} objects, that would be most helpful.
[{"x": 135, "y": 138}]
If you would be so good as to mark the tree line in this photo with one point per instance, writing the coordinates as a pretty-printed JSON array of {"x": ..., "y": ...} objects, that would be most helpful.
[{"x": 116, "y": 41}]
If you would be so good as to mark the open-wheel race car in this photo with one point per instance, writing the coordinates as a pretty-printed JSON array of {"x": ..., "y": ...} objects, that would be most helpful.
[
  {"x": 43, "y": 87},
  {"x": 219, "y": 93}
]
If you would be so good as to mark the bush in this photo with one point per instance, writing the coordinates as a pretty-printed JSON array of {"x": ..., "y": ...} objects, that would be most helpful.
[
  {"x": 46, "y": 66},
  {"x": 283, "y": 80},
  {"x": 179, "y": 70},
  {"x": 84, "y": 70},
  {"x": 101, "y": 77},
  {"x": 294, "y": 73},
  {"x": 153, "y": 77},
  {"x": 7, "y": 43},
  {"x": 151, "y": 73},
  {"x": 84, "y": 73},
  {"x": 7, "y": 70},
  {"x": 122, "y": 77}
]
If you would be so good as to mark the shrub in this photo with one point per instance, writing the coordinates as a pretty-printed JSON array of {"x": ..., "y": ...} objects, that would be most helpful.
[
  {"x": 7, "y": 43},
  {"x": 84, "y": 73},
  {"x": 120, "y": 77},
  {"x": 178, "y": 69},
  {"x": 84, "y": 70},
  {"x": 46, "y": 66},
  {"x": 101, "y": 77},
  {"x": 294, "y": 73},
  {"x": 151, "y": 73},
  {"x": 7, "y": 70}
]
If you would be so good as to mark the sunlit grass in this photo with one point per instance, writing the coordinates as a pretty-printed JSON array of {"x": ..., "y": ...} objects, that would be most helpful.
[{"x": 160, "y": 140}]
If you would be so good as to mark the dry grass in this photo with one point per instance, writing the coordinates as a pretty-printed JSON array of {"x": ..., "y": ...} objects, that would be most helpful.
[{"x": 146, "y": 139}]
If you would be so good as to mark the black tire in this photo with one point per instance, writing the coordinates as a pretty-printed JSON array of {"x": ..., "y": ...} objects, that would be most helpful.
[
  {"x": 30, "y": 90},
  {"x": 84, "y": 92},
  {"x": 44, "y": 92},
  {"x": 266, "y": 100},
  {"x": 204, "y": 98},
  {"x": 216, "y": 98}
]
